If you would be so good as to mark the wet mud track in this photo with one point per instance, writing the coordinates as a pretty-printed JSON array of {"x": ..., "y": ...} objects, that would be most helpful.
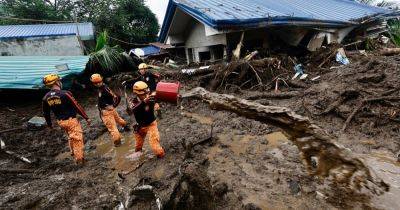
[{"x": 245, "y": 165}]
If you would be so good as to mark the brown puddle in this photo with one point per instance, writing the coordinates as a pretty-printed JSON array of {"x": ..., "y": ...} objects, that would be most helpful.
[
  {"x": 121, "y": 157},
  {"x": 387, "y": 168},
  {"x": 201, "y": 119},
  {"x": 239, "y": 144},
  {"x": 276, "y": 138}
]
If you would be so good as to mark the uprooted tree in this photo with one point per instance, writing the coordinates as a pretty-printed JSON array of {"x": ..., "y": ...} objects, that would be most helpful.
[{"x": 322, "y": 156}]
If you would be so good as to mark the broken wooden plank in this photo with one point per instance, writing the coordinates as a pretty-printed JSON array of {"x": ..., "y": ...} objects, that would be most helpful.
[
  {"x": 16, "y": 171},
  {"x": 11, "y": 130}
]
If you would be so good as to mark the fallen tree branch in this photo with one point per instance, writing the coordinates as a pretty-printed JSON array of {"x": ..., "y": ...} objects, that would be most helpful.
[
  {"x": 362, "y": 103},
  {"x": 19, "y": 157},
  {"x": 390, "y": 51},
  {"x": 281, "y": 95},
  {"x": 358, "y": 107},
  {"x": 342, "y": 98},
  {"x": 313, "y": 142},
  {"x": 16, "y": 171},
  {"x": 295, "y": 84}
]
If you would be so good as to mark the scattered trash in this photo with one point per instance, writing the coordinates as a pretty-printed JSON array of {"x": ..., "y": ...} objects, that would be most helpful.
[
  {"x": 321, "y": 195},
  {"x": 11, "y": 110},
  {"x": 315, "y": 78},
  {"x": 303, "y": 76},
  {"x": 144, "y": 191},
  {"x": 363, "y": 52},
  {"x": 120, "y": 206},
  {"x": 251, "y": 55},
  {"x": 2, "y": 144},
  {"x": 172, "y": 64},
  {"x": 294, "y": 187},
  {"x": 36, "y": 123},
  {"x": 383, "y": 39},
  {"x": 188, "y": 71},
  {"x": 204, "y": 67},
  {"x": 159, "y": 205},
  {"x": 299, "y": 69},
  {"x": 19, "y": 157},
  {"x": 341, "y": 57}
]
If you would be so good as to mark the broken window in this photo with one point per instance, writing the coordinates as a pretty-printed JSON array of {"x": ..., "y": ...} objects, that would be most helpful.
[
  {"x": 190, "y": 55},
  {"x": 217, "y": 52},
  {"x": 205, "y": 56}
]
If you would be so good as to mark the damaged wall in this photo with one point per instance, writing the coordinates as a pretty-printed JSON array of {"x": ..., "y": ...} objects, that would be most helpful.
[
  {"x": 41, "y": 46},
  {"x": 202, "y": 45}
]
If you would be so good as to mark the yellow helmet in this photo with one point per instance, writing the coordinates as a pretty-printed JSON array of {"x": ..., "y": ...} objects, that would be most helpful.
[
  {"x": 96, "y": 78},
  {"x": 143, "y": 66},
  {"x": 50, "y": 79},
  {"x": 140, "y": 88}
]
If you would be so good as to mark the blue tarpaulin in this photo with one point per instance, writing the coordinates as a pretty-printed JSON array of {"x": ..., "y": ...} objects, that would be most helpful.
[
  {"x": 26, "y": 72},
  {"x": 146, "y": 51},
  {"x": 220, "y": 14}
]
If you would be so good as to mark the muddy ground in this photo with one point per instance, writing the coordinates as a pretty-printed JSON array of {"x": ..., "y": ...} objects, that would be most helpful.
[{"x": 215, "y": 159}]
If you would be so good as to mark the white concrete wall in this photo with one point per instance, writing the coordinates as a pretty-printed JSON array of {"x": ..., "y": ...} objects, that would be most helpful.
[
  {"x": 41, "y": 46},
  {"x": 197, "y": 37},
  {"x": 198, "y": 40}
]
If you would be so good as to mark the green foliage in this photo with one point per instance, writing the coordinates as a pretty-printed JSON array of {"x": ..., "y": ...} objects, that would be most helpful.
[
  {"x": 36, "y": 9},
  {"x": 394, "y": 32},
  {"x": 102, "y": 40},
  {"x": 127, "y": 20},
  {"x": 109, "y": 58}
]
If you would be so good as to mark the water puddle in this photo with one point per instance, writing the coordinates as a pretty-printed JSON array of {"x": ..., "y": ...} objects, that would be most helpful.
[
  {"x": 237, "y": 143},
  {"x": 276, "y": 138},
  {"x": 123, "y": 158},
  {"x": 199, "y": 118},
  {"x": 387, "y": 168}
]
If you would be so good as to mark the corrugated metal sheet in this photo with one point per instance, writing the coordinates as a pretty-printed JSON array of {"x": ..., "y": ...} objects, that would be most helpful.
[
  {"x": 86, "y": 30},
  {"x": 26, "y": 72},
  {"x": 257, "y": 13}
]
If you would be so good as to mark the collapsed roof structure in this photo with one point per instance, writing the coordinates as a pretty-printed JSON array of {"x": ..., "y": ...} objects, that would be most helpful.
[{"x": 210, "y": 27}]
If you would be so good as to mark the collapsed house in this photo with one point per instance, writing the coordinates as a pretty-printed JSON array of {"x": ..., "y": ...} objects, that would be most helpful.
[
  {"x": 211, "y": 30},
  {"x": 67, "y": 39}
]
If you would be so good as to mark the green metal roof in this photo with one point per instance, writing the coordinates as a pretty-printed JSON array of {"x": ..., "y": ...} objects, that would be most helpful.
[{"x": 26, "y": 72}]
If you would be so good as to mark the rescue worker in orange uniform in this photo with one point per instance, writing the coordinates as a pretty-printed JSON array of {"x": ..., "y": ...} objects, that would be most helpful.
[
  {"x": 142, "y": 107},
  {"x": 65, "y": 107},
  {"x": 107, "y": 102},
  {"x": 150, "y": 78}
]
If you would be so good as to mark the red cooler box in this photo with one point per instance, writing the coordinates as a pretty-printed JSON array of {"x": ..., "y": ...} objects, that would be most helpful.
[{"x": 168, "y": 92}]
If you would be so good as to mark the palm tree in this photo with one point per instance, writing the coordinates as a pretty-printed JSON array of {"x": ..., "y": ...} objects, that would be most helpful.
[{"x": 109, "y": 58}]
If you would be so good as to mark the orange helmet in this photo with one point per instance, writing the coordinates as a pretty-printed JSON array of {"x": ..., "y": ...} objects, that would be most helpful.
[
  {"x": 143, "y": 66},
  {"x": 96, "y": 78},
  {"x": 50, "y": 79},
  {"x": 140, "y": 88}
]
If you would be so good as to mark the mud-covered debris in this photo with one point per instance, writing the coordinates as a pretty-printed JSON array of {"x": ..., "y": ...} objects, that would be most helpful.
[
  {"x": 220, "y": 189},
  {"x": 251, "y": 206},
  {"x": 294, "y": 187},
  {"x": 36, "y": 123},
  {"x": 144, "y": 191}
]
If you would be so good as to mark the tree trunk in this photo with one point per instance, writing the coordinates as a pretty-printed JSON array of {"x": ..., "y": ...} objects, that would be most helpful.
[{"x": 322, "y": 156}]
